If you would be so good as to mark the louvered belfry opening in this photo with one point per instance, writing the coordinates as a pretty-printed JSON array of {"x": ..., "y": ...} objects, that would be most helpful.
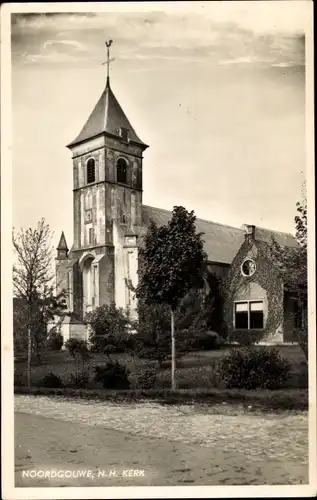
[
  {"x": 122, "y": 171},
  {"x": 90, "y": 170}
]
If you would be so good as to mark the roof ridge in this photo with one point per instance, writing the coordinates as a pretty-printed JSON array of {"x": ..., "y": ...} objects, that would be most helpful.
[
  {"x": 197, "y": 218},
  {"x": 274, "y": 231},
  {"x": 224, "y": 225}
]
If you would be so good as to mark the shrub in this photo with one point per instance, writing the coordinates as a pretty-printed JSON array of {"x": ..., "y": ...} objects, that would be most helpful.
[
  {"x": 77, "y": 347},
  {"x": 252, "y": 368},
  {"x": 109, "y": 325},
  {"x": 51, "y": 381},
  {"x": 19, "y": 378},
  {"x": 79, "y": 381},
  {"x": 146, "y": 378},
  {"x": 112, "y": 376},
  {"x": 210, "y": 341},
  {"x": 55, "y": 341}
]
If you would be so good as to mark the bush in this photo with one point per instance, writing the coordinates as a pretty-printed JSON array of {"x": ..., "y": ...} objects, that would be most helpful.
[
  {"x": 51, "y": 381},
  {"x": 79, "y": 381},
  {"x": 146, "y": 378},
  {"x": 112, "y": 376},
  {"x": 77, "y": 347},
  {"x": 55, "y": 341},
  {"x": 251, "y": 368},
  {"x": 109, "y": 326},
  {"x": 210, "y": 341}
]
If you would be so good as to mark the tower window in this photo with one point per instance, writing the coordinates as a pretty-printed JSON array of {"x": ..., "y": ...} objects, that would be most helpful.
[
  {"x": 90, "y": 170},
  {"x": 122, "y": 171},
  {"x": 124, "y": 134},
  {"x": 91, "y": 236}
]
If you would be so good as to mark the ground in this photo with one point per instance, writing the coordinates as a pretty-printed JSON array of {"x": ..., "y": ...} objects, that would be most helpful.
[{"x": 173, "y": 445}]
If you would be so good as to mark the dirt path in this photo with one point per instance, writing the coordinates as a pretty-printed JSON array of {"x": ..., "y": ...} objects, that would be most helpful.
[{"x": 64, "y": 443}]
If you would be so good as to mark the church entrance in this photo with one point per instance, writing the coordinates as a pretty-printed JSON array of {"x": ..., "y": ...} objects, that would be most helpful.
[{"x": 89, "y": 285}]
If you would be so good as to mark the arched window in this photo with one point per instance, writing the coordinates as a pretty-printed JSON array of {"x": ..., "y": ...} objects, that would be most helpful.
[
  {"x": 122, "y": 171},
  {"x": 90, "y": 170}
]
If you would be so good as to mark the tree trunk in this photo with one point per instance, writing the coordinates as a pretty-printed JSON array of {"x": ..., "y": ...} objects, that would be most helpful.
[
  {"x": 29, "y": 357},
  {"x": 173, "y": 351}
]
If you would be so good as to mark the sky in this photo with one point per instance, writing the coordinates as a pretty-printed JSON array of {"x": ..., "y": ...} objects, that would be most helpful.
[{"x": 217, "y": 90}]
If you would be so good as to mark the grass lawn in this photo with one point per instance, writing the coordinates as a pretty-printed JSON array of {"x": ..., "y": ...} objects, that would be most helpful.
[{"x": 194, "y": 370}]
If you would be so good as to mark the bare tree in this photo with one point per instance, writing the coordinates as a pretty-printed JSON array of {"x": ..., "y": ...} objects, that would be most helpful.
[{"x": 33, "y": 284}]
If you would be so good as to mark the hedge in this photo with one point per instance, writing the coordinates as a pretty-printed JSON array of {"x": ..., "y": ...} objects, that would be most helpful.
[{"x": 284, "y": 399}]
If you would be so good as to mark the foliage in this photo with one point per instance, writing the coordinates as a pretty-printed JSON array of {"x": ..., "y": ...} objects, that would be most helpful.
[
  {"x": 77, "y": 347},
  {"x": 146, "y": 378},
  {"x": 153, "y": 340},
  {"x": 191, "y": 327},
  {"x": 210, "y": 341},
  {"x": 250, "y": 368},
  {"x": 80, "y": 352},
  {"x": 292, "y": 266},
  {"x": 52, "y": 381},
  {"x": 172, "y": 260},
  {"x": 79, "y": 381},
  {"x": 35, "y": 303},
  {"x": 55, "y": 340},
  {"x": 109, "y": 326},
  {"x": 301, "y": 219},
  {"x": 112, "y": 376}
]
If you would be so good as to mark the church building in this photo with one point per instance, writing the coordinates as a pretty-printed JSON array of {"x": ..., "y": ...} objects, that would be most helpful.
[{"x": 109, "y": 219}]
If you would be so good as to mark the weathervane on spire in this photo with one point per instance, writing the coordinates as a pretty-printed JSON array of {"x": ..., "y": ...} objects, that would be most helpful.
[{"x": 108, "y": 61}]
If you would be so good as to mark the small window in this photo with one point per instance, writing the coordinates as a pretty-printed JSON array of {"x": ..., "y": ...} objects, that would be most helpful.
[
  {"x": 124, "y": 134},
  {"x": 90, "y": 170},
  {"x": 249, "y": 315},
  {"x": 241, "y": 316},
  {"x": 256, "y": 315},
  {"x": 248, "y": 267},
  {"x": 122, "y": 171},
  {"x": 91, "y": 236}
]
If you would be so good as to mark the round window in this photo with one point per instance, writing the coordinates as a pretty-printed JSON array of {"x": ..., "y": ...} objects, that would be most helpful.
[{"x": 248, "y": 267}]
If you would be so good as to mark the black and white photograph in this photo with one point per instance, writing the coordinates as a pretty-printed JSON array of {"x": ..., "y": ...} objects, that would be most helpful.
[{"x": 158, "y": 241}]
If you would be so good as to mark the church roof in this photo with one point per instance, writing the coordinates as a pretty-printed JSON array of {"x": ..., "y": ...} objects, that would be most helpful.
[
  {"x": 62, "y": 243},
  {"x": 221, "y": 242},
  {"x": 107, "y": 117}
]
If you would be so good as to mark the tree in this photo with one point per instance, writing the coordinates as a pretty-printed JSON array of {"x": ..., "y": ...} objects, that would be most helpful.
[
  {"x": 32, "y": 282},
  {"x": 301, "y": 219},
  {"x": 292, "y": 265},
  {"x": 172, "y": 263}
]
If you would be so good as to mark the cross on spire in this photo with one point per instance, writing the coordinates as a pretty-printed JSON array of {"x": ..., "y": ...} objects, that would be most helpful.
[{"x": 108, "y": 61}]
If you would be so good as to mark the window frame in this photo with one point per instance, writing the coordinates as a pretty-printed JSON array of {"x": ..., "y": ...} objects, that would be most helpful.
[
  {"x": 248, "y": 302},
  {"x": 87, "y": 176},
  {"x": 248, "y": 259},
  {"x": 122, "y": 158}
]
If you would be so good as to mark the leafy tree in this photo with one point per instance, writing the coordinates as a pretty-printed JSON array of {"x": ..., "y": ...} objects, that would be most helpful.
[
  {"x": 301, "y": 220},
  {"x": 109, "y": 329},
  {"x": 172, "y": 263},
  {"x": 33, "y": 289},
  {"x": 292, "y": 265}
]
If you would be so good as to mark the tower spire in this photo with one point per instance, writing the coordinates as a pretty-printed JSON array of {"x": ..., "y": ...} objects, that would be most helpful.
[{"x": 108, "y": 61}]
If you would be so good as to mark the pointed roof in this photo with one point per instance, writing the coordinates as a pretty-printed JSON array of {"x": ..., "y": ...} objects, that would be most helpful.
[
  {"x": 107, "y": 117},
  {"x": 62, "y": 243}
]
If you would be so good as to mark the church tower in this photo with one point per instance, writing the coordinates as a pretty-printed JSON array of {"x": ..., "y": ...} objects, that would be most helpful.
[{"x": 107, "y": 203}]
